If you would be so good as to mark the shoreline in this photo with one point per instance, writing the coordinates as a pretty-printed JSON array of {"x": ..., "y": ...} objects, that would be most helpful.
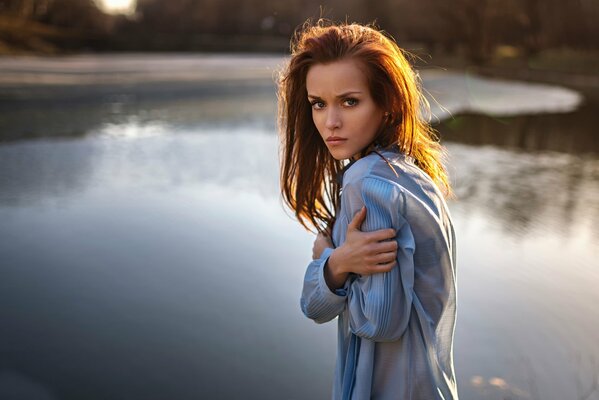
[
  {"x": 584, "y": 79},
  {"x": 101, "y": 78},
  {"x": 156, "y": 67}
]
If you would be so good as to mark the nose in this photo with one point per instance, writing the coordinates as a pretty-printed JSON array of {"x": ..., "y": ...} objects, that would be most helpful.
[{"x": 333, "y": 120}]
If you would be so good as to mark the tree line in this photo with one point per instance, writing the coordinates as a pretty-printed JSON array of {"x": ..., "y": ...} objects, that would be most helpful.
[{"x": 472, "y": 28}]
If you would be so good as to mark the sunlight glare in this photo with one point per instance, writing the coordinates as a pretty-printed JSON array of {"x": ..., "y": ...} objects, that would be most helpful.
[{"x": 117, "y": 5}]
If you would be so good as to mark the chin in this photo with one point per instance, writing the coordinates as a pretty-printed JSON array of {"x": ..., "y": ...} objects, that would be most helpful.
[{"x": 340, "y": 154}]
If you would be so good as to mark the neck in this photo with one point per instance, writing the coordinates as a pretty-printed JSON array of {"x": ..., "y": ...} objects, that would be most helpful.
[{"x": 364, "y": 152}]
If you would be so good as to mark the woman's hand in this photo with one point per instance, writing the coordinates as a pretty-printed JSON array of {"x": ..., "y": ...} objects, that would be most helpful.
[
  {"x": 323, "y": 240},
  {"x": 363, "y": 253}
]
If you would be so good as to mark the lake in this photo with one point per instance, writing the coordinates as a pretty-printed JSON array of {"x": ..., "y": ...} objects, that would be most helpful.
[{"x": 145, "y": 252}]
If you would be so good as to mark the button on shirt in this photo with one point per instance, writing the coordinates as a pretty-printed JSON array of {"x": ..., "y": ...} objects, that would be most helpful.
[{"x": 395, "y": 329}]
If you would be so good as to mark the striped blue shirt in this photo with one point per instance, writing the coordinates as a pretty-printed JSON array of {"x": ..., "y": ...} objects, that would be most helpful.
[{"x": 395, "y": 329}]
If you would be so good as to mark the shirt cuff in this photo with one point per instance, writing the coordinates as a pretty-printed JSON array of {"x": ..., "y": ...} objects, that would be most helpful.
[{"x": 337, "y": 294}]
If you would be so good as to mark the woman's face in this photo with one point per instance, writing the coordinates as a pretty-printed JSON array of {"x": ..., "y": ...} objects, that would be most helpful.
[{"x": 342, "y": 107}]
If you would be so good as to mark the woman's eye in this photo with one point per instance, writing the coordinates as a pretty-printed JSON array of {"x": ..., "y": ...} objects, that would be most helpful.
[
  {"x": 317, "y": 105},
  {"x": 350, "y": 102}
]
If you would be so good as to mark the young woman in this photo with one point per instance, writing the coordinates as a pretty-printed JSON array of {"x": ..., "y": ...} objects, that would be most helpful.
[{"x": 384, "y": 257}]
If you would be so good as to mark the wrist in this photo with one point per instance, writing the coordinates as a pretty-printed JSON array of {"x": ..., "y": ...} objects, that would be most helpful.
[
  {"x": 335, "y": 266},
  {"x": 333, "y": 277}
]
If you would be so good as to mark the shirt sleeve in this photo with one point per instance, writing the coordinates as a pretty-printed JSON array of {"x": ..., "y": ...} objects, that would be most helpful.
[
  {"x": 318, "y": 302},
  {"x": 379, "y": 304}
]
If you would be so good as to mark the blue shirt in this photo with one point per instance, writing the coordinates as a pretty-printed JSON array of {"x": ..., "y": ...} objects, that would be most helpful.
[{"x": 395, "y": 329}]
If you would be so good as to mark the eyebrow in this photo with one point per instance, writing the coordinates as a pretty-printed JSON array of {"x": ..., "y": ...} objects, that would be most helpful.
[{"x": 338, "y": 96}]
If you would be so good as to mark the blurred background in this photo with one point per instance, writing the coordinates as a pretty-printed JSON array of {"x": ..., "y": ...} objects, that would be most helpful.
[{"x": 145, "y": 252}]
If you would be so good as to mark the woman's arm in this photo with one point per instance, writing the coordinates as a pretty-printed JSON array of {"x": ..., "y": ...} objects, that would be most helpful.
[
  {"x": 318, "y": 302},
  {"x": 326, "y": 281},
  {"x": 380, "y": 303},
  {"x": 326, "y": 284},
  {"x": 322, "y": 241},
  {"x": 361, "y": 252}
]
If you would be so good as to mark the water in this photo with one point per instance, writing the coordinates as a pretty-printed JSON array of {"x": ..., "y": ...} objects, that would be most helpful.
[{"x": 145, "y": 253}]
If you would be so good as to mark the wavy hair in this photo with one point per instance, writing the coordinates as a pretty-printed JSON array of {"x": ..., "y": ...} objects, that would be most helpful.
[{"x": 308, "y": 171}]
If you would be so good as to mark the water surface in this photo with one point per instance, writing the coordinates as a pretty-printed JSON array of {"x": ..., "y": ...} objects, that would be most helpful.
[{"x": 145, "y": 252}]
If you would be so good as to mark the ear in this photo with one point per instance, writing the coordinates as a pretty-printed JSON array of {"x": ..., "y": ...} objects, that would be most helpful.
[{"x": 387, "y": 117}]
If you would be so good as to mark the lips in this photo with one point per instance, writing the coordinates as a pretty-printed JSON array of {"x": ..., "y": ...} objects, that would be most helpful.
[{"x": 334, "y": 139}]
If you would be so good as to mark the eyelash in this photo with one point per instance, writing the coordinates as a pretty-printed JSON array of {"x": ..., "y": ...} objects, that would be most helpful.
[
  {"x": 313, "y": 103},
  {"x": 352, "y": 99}
]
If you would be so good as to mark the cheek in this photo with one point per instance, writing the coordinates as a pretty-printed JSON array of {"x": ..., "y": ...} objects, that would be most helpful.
[
  {"x": 369, "y": 118},
  {"x": 318, "y": 120}
]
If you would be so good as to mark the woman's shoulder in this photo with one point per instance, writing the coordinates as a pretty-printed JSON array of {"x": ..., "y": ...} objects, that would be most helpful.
[
  {"x": 391, "y": 174},
  {"x": 391, "y": 180},
  {"x": 385, "y": 166},
  {"x": 358, "y": 170},
  {"x": 367, "y": 179}
]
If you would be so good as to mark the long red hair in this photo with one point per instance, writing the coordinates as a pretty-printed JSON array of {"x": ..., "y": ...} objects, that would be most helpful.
[{"x": 308, "y": 170}]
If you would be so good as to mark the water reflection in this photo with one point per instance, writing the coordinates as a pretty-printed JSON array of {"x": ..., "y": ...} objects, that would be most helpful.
[
  {"x": 34, "y": 173},
  {"x": 528, "y": 193},
  {"x": 154, "y": 289},
  {"x": 45, "y": 172},
  {"x": 524, "y": 192},
  {"x": 566, "y": 133},
  {"x": 203, "y": 104}
]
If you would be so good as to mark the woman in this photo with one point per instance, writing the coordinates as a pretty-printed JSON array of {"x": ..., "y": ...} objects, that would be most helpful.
[{"x": 384, "y": 259}]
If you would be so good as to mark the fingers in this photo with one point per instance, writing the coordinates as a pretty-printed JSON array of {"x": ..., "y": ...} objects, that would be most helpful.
[
  {"x": 358, "y": 219},
  {"x": 382, "y": 234},
  {"x": 383, "y": 247},
  {"x": 325, "y": 239},
  {"x": 380, "y": 268},
  {"x": 326, "y": 234},
  {"x": 386, "y": 257}
]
